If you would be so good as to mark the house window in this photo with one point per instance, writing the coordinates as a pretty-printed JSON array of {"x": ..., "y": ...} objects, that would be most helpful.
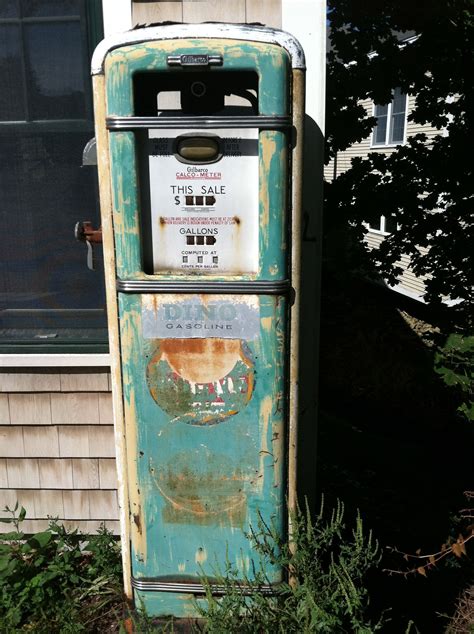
[
  {"x": 391, "y": 118},
  {"x": 385, "y": 225},
  {"x": 49, "y": 300}
]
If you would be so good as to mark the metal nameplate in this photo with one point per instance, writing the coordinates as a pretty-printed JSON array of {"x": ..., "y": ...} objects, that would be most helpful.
[
  {"x": 192, "y": 316},
  {"x": 195, "y": 60}
]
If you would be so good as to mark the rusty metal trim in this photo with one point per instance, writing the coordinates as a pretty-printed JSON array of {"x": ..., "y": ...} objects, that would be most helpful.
[
  {"x": 262, "y": 122},
  {"x": 197, "y": 588},
  {"x": 215, "y": 287},
  {"x": 214, "y": 30}
]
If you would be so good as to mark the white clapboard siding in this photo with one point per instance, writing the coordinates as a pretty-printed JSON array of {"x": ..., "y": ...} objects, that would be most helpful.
[
  {"x": 57, "y": 448},
  {"x": 362, "y": 149},
  {"x": 408, "y": 281}
]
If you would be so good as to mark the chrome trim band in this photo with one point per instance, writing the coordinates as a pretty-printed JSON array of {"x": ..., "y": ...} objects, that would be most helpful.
[
  {"x": 184, "y": 31},
  {"x": 205, "y": 287},
  {"x": 197, "y": 588},
  {"x": 262, "y": 122}
]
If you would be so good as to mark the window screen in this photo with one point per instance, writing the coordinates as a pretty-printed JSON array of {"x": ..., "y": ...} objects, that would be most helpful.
[{"x": 49, "y": 298}]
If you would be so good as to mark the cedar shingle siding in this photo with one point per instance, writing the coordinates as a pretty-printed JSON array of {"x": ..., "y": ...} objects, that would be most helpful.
[{"x": 57, "y": 449}]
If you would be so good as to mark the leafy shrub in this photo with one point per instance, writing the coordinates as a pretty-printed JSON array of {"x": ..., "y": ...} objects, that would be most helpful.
[
  {"x": 56, "y": 581},
  {"x": 327, "y": 566},
  {"x": 455, "y": 363}
]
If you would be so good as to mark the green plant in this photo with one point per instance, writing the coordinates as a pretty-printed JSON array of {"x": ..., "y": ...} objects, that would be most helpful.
[
  {"x": 56, "y": 580},
  {"x": 327, "y": 565},
  {"x": 455, "y": 363}
]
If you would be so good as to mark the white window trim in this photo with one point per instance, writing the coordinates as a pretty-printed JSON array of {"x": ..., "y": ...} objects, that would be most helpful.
[
  {"x": 37, "y": 360},
  {"x": 375, "y": 146},
  {"x": 381, "y": 231},
  {"x": 117, "y": 16}
]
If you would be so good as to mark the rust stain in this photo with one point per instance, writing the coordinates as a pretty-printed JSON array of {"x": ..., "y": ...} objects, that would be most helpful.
[
  {"x": 210, "y": 494},
  {"x": 237, "y": 220},
  {"x": 203, "y": 360},
  {"x": 274, "y": 269},
  {"x": 137, "y": 521}
]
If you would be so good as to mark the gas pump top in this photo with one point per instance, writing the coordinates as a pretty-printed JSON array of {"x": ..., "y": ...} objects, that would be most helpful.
[{"x": 211, "y": 30}]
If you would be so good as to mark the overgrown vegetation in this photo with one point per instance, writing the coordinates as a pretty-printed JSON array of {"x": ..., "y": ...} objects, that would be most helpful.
[
  {"x": 425, "y": 188},
  {"x": 60, "y": 581},
  {"x": 454, "y": 362},
  {"x": 327, "y": 565},
  {"x": 57, "y": 580}
]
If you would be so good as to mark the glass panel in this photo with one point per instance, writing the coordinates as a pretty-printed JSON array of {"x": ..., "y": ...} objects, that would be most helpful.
[
  {"x": 376, "y": 226},
  {"x": 399, "y": 101},
  {"x": 390, "y": 224},
  {"x": 40, "y": 8},
  {"x": 55, "y": 70},
  {"x": 45, "y": 286},
  {"x": 397, "y": 128},
  {"x": 380, "y": 131},
  {"x": 9, "y": 9},
  {"x": 381, "y": 111},
  {"x": 11, "y": 75}
]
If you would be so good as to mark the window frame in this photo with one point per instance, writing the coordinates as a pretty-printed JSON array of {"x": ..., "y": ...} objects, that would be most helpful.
[
  {"x": 95, "y": 351},
  {"x": 387, "y": 143},
  {"x": 382, "y": 231}
]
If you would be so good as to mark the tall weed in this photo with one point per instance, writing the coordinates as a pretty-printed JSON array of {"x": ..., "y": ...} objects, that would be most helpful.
[{"x": 326, "y": 564}]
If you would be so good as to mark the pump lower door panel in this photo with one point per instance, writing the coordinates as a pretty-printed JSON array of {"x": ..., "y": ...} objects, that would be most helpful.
[{"x": 203, "y": 379}]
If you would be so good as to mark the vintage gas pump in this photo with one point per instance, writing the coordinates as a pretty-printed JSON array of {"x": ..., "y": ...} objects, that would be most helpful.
[{"x": 199, "y": 138}]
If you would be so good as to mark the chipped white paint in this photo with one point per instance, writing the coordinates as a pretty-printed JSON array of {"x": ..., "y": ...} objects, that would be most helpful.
[
  {"x": 201, "y": 556},
  {"x": 215, "y": 30}
]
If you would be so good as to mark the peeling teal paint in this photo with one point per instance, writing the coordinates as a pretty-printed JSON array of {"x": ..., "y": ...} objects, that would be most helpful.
[
  {"x": 270, "y": 62},
  {"x": 203, "y": 487},
  {"x": 206, "y": 465}
]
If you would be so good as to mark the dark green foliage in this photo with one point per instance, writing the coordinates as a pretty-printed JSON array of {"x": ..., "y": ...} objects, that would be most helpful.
[
  {"x": 328, "y": 564},
  {"x": 425, "y": 187},
  {"x": 56, "y": 581},
  {"x": 455, "y": 363}
]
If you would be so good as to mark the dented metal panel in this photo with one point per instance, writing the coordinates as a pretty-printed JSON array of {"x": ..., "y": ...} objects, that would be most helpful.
[
  {"x": 204, "y": 375},
  {"x": 208, "y": 416}
]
